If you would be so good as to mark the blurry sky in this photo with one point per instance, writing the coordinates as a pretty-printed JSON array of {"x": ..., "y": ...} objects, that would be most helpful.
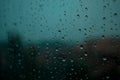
[{"x": 65, "y": 20}]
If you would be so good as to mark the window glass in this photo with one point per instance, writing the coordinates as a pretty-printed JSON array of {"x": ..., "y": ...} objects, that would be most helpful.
[{"x": 59, "y": 39}]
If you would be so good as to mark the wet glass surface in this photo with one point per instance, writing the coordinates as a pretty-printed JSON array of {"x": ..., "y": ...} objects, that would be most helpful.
[{"x": 59, "y": 39}]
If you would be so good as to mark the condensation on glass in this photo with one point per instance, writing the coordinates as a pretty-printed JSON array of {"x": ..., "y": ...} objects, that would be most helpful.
[{"x": 59, "y": 39}]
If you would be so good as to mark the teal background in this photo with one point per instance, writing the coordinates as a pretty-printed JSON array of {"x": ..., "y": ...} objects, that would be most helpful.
[{"x": 64, "y": 20}]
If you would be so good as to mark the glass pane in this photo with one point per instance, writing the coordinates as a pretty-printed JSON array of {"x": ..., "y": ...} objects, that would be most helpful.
[{"x": 59, "y": 39}]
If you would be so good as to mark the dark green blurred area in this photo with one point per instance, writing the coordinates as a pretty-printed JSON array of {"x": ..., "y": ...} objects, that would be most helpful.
[
  {"x": 45, "y": 61},
  {"x": 59, "y": 61}
]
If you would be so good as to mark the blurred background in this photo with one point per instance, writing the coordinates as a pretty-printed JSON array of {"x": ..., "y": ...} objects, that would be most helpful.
[{"x": 59, "y": 39}]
